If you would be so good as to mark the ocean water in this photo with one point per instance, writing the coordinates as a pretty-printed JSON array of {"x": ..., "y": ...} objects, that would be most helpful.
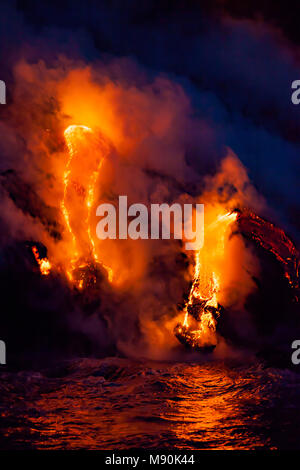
[{"x": 120, "y": 404}]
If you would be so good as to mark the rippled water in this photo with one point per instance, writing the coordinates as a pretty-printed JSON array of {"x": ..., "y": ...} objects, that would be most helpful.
[{"x": 119, "y": 404}]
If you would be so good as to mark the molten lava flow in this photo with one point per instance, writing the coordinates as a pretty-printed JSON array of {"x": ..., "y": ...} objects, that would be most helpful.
[
  {"x": 202, "y": 310},
  {"x": 274, "y": 240},
  {"x": 44, "y": 264},
  {"x": 86, "y": 155}
]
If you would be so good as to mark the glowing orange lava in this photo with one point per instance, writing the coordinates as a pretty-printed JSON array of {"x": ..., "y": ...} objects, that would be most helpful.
[
  {"x": 202, "y": 308},
  {"x": 44, "y": 263},
  {"x": 87, "y": 152}
]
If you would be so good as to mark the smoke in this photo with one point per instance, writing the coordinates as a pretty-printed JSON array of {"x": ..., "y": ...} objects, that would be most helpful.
[{"x": 186, "y": 119}]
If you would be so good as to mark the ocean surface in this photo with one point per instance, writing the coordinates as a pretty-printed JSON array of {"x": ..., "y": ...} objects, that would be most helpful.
[{"x": 119, "y": 404}]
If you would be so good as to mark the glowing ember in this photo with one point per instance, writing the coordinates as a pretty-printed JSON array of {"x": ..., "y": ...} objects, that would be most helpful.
[
  {"x": 44, "y": 264},
  {"x": 202, "y": 309}
]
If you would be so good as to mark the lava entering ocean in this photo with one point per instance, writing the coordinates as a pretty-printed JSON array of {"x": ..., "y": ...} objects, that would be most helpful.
[
  {"x": 128, "y": 145},
  {"x": 201, "y": 312},
  {"x": 198, "y": 329}
]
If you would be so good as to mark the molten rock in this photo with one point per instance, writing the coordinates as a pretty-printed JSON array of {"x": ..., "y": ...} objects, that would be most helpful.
[{"x": 192, "y": 339}]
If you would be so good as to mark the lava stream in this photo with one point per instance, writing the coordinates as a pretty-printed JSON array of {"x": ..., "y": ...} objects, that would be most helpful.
[
  {"x": 198, "y": 329},
  {"x": 87, "y": 152}
]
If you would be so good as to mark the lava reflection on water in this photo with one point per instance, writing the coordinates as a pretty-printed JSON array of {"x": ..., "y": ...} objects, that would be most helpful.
[{"x": 118, "y": 403}]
